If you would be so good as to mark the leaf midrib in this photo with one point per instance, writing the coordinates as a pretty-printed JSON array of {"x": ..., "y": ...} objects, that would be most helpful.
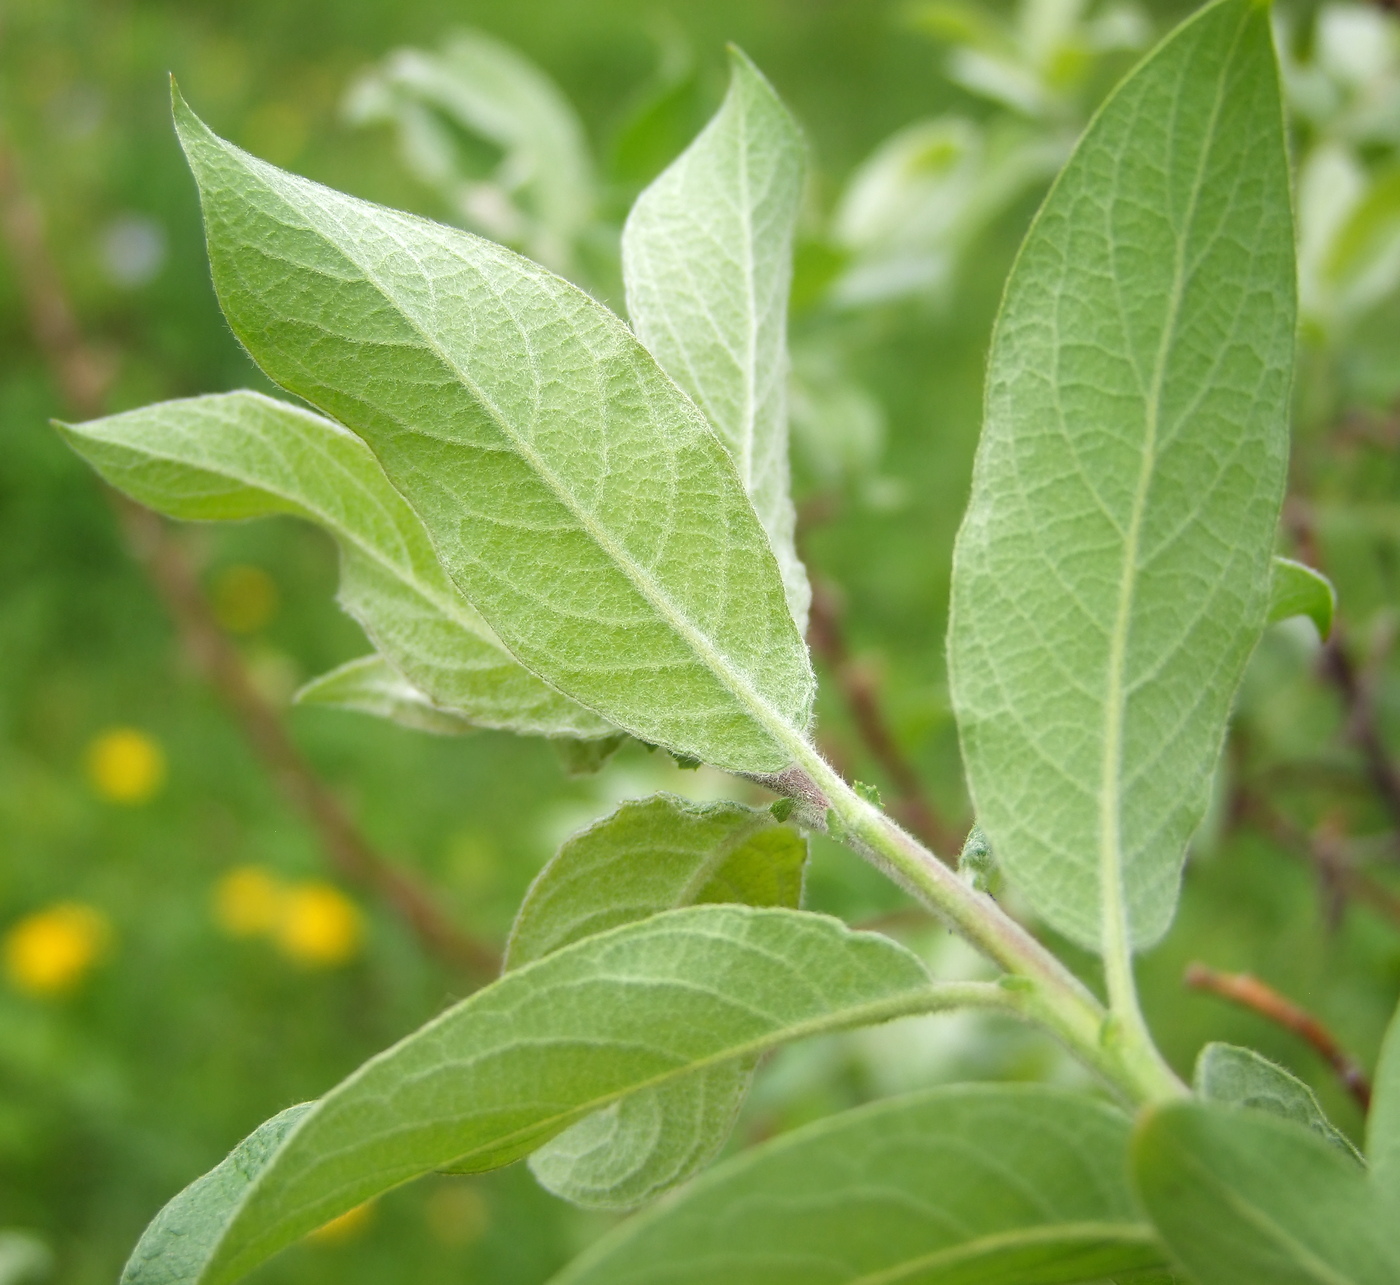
[
  {"x": 1116, "y": 930},
  {"x": 785, "y": 734}
]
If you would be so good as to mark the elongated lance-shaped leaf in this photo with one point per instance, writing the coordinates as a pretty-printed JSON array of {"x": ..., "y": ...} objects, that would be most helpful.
[
  {"x": 1241, "y": 1077},
  {"x": 707, "y": 263},
  {"x": 370, "y": 685},
  {"x": 963, "y": 1185},
  {"x": 243, "y": 455},
  {"x": 1383, "y": 1122},
  {"x": 1112, "y": 574},
  {"x": 516, "y": 1063},
  {"x": 1243, "y": 1198},
  {"x": 1299, "y": 590},
  {"x": 649, "y": 856},
  {"x": 573, "y": 493}
]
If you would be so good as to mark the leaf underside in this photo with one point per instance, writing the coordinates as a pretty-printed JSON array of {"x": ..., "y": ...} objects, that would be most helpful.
[
  {"x": 965, "y": 1185},
  {"x": 1112, "y": 574},
  {"x": 516, "y": 1063},
  {"x": 1299, "y": 590},
  {"x": 571, "y": 491},
  {"x": 370, "y": 685}
]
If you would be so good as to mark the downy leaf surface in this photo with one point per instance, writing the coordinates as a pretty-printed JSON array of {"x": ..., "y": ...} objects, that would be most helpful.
[
  {"x": 1244, "y": 1198},
  {"x": 370, "y": 685},
  {"x": 649, "y": 856},
  {"x": 963, "y": 1185},
  {"x": 707, "y": 265},
  {"x": 519, "y": 1061},
  {"x": 243, "y": 455},
  {"x": 1112, "y": 574},
  {"x": 1240, "y": 1077},
  {"x": 573, "y": 493}
]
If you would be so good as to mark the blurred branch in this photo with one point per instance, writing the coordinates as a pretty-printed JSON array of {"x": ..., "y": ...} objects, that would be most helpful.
[
  {"x": 1357, "y": 689},
  {"x": 859, "y": 690},
  {"x": 1249, "y": 992},
  {"x": 83, "y": 374}
]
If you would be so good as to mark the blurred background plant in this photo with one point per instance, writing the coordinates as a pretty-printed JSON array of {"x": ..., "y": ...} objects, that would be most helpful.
[{"x": 201, "y": 924}]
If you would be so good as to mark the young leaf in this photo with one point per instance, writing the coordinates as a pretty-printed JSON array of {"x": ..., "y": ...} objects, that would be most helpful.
[
  {"x": 1241, "y": 1077},
  {"x": 707, "y": 262},
  {"x": 1242, "y": 1198},
  {"x": 571, "y": 490},
  {"x": 1298, "y": 590},
  {"x": 516, "y": 1063},
  {"x": 243, "y": 455},
  {"x": 1112, "y": 573},
  {"x": 370, "y": 685},
  {"x": 649, "y": 856},
  {"x": 961, "y": 1185}
]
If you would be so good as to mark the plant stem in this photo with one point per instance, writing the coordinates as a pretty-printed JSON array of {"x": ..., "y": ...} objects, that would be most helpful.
[{"x": 1121, "y": 1054}]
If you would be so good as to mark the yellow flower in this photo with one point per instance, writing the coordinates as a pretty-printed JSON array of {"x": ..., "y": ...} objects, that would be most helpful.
[
  {"x": 248, "y": 902},
  {"x": 49, "y": 952},
  {"x": 349, "y": 1225},
  {"x": 244, "y": 598},
  {"x": 125, "y": 765},
  {"x": 319, "y": 926}
]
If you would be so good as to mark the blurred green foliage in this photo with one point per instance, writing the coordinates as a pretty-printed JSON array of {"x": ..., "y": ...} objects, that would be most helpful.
[{"x": 933, "y": 131}]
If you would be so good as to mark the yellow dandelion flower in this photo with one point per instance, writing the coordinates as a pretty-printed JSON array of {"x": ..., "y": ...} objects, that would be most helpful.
[
  {"x": 244, "y": 598},
  {"x": 320, "y": 926},
  {"x": 248, "y": 902},
  {"x": 49, "y": 952},
  {"x": 125, "y": 765},
  {"x": 348, "y": 1226}
]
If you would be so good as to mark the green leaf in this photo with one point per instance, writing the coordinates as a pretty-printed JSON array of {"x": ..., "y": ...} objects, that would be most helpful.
[
  {"x": 1112, "y": 573},
  {"x": 242, "y": 455},
  {"x": 500, "y": 1073},
  {"x": 1299, "y": 590},
  {"x": 1243, "y": 1198},
  {"x": 587, "y": 758},
  {"x": 707, "y": 262},
  {"x": 649, "y": 856},
  {"x": 1240, "y": 1077},
  {"x": 965, "y": 1185},
  {"x": 370, "y": 685},
  {"x": 1383, "y": 1122},
  {"x": 573, "y": 493}
]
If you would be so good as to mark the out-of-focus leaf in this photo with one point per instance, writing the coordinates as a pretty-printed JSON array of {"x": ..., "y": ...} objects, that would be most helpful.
[
  {"x": 570, "y": 489},
  {"x": 1240, "y": 1077},
  {"x": 24, "y": 1258},
  {"x": 649, "y": 856},
  {"x": 1243, "y": 1198},
  {"x": 519, "y": 1061},
  {"x": 1112, "y": 573},
  {"x": 586, "y": 758},
  {"x": 540, "y": 196},
  {"x": 244, "y": 455},
  {"x": 955, "y": 1186},
  {"x": 370, "y": 685},
  {"x": 1299, "y": 590},
  {"x": 707, "y": 262},
  {"x": 1383, "y": 1123}
]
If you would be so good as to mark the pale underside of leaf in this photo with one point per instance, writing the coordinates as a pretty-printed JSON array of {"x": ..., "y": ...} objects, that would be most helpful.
[
  {"x": 572, "y": 492},
  {"x": 1242, "y": 1198},
  {"x": 370, "y": 685},
  {"x": 966, "y": 1185},
  {"x": 243, "y": 455},
  {"x": 518, "y": 1062},
  {"x": 707, "y": 263},
  {"x": 649, "y": 856},
  {"x": 1112, "y": 574}
]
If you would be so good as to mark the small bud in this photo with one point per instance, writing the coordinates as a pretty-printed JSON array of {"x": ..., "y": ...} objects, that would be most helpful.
[
  {"x": 976, "y": 863},
  {"x": 869, "y": 793},
  {"x": 782, "y": 809}
]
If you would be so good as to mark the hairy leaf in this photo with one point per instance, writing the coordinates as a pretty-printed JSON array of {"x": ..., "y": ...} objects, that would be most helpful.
[
  {"x": 966, "y": 1185},
  {"x": 707, "y": 262},
  {"x": 649, "y": 856},
  {"x": 1298, "y": 590},
  {"x": 370, "y": 685},
  {"x": 516, "y": 1063},
  {"x": 571, "y": 490},
  {"x": 1242, "y": 1198},
  {"x": 1241, "y": 1077},
  {"x": 1112, "y": 574},
  {"x": 243, "y": 455}
]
